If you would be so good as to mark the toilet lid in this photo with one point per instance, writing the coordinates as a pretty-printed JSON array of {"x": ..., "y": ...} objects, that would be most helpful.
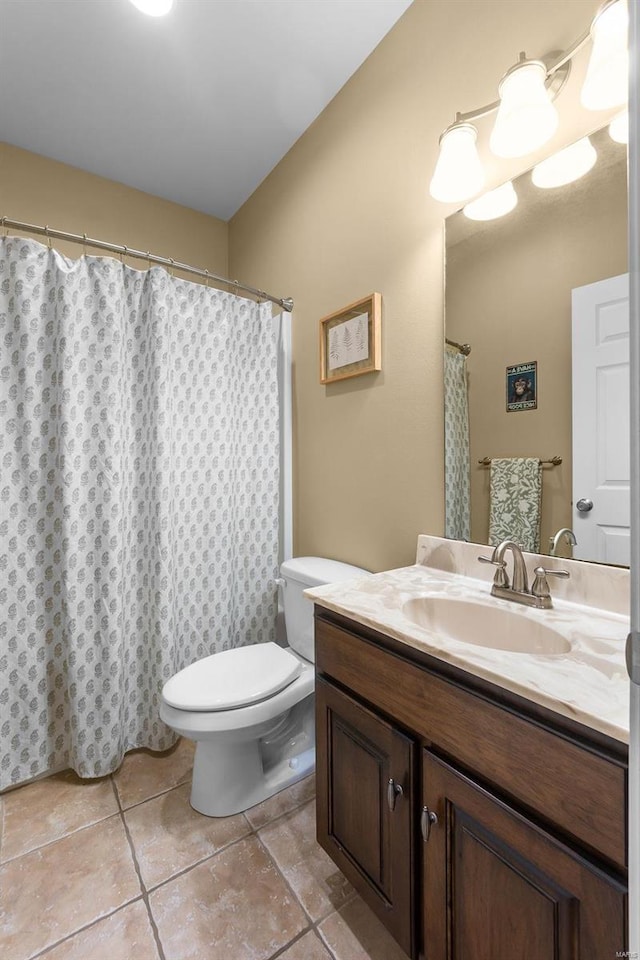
[{"x": 232, "y": 678}]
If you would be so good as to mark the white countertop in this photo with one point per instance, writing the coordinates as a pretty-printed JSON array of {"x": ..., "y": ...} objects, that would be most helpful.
[{"x": 589, "y": 684}]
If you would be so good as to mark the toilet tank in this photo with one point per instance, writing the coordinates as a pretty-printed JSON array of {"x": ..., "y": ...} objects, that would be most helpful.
[{"x": 298, "y": 575}]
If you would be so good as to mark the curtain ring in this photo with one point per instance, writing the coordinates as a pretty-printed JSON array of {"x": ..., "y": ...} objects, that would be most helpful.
[
  {"x": 171, "y": 268},
  {"x": 123, "y": 253},
  {"x": 5, "y": 227},
  {"x": 84, "y": 244},
  {"x": 148, "y": 260},
  {"x": 206, "y": 274},
  {"x": 46, "y": 233}
]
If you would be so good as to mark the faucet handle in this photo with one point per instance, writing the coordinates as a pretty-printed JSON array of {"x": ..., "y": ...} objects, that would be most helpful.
[
  {"x": 540, "y": 586},
  {"x": 501, "y": 579}
]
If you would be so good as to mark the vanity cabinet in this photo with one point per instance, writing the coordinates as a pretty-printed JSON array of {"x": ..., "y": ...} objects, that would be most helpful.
[
  {"x": 477, "y": 825},
  {"x": 365, "y": 806}
]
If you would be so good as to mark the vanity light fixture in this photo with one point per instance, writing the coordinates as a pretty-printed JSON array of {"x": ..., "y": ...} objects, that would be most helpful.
[
  {"x": 459, "y": 173},
  {"x": 565, "y": 166},
  {"x": 526, "y": 117},
  {"x": 496, "y": 203},
  {"x": 607, "y": 78},
  {"x": 619, "y": 128},
  {"x": 153, "y": 8}
]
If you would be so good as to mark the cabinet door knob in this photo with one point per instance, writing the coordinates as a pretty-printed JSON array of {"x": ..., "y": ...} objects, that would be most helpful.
[
  {"x": 428, "y": 819},
  {"x": 394, "y": 790}
]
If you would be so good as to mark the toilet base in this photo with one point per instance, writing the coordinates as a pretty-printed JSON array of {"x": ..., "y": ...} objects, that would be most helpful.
[
  {"x": 246, "y": 785},
  {"x": 231, "y": 774}
]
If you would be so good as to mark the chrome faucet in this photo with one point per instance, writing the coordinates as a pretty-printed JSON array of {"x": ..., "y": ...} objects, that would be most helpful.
[
  {"x": 554, "y": 541},
  {"x": 518, "y": 591}
]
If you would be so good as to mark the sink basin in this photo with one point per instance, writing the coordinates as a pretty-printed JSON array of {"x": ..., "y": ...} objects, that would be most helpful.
[{"x": 485, "y": 626}]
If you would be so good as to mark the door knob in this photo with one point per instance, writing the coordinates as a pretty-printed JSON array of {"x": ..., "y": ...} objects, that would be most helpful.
[{"x": 584, "y": 505}]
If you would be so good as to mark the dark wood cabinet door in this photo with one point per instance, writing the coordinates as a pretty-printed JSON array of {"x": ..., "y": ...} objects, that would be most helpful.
[
  {"x": 365, "y": 803},
  {"x": 496, "y": 886}
]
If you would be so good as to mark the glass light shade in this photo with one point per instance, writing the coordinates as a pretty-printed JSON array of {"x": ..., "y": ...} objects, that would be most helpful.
[
  {"x": 153, "y": 8},
  {"x": 619, "y": 128},
  {"x": 458, "y": 174},
  {"x": 565, "y": 166},
  {"x": 526, "y": 117},
  {"x": 496, "y": 203},
  {"x": 607, "y": 80}
]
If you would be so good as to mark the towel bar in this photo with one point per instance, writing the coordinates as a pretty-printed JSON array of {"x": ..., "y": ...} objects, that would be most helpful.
[{"x": 554, "y": 461}]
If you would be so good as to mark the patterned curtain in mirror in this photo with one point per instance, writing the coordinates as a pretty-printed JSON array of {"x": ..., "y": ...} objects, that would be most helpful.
[{"x": 456, "y": 451}]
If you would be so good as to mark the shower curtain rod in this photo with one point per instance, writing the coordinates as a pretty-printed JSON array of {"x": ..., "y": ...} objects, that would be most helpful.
[
  {"x": 5, "y": 222},
  {"x": 464, "y": 348}
]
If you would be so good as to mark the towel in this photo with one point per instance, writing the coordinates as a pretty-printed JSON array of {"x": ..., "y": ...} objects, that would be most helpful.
[{"x": 516, "y": 498}]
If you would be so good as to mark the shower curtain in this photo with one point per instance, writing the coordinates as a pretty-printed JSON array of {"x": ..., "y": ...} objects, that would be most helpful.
[
  {"x": 456, "y": 451},
  {"x": 139, "y": 487}
]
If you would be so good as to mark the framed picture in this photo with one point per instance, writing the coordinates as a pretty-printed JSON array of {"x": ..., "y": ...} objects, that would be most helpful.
[
  {"x": 350, "y": 340},
  {"x": 522, "y": 386}
]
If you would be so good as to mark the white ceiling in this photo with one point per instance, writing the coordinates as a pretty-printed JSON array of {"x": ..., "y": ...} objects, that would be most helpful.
[{"x": 196, "y": 107}]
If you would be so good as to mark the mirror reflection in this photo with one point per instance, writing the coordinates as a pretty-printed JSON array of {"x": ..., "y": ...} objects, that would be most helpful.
[{"x": 540, "y": 296}]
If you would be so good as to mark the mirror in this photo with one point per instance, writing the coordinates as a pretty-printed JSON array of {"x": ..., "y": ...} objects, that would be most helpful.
[{"x": 508, "y": 294}]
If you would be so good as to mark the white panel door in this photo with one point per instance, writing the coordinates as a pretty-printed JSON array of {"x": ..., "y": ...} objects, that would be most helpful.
[{"x": 601, "y": 458}]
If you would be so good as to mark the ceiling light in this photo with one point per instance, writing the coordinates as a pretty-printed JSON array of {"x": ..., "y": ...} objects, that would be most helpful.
[
  {"x": 458, "y": 174},
  {"x": 526, "y": 117},
  {"x": 619, "y": 128},
  {"x": 607, "y": 80},
  {"x": 496, "y": 203},
  {"x": 153, "y": 8},
  {"x": 565, "y": 166}
]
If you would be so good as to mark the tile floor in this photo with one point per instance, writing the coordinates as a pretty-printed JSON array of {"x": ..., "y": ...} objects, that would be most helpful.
[{"x": 123, "y": 869}]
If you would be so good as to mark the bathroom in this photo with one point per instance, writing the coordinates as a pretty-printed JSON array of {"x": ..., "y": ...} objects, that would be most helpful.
[{"x": 346, "y": 212}]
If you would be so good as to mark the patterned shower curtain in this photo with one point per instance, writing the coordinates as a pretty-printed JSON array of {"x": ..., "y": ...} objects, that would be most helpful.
[
  {"x": 456, "y": 451},
  {"x": 138, "y": 499}
]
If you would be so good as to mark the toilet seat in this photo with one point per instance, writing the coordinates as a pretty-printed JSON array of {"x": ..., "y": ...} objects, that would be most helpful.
[{"x": 232, "y": 678}]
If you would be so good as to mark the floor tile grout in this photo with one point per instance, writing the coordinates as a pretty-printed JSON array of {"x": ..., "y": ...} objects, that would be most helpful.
[
  {"x": 153, "y": 796},
  {"x": 288, "y": 945},
  {"x": 251, "y": 832},
  {"x": 145, "y": 893},
  {"x": 86, "y": 926},
  {"x": 64, "y": 836}
]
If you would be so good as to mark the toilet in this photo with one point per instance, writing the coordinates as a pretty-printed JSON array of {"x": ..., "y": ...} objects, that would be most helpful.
[{"x": 250, "y": 710}]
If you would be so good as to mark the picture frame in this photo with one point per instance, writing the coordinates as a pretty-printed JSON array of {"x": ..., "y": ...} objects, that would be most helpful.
[
  {"x": 350, "y": 340},
  {"x": 522, "y": 387}
]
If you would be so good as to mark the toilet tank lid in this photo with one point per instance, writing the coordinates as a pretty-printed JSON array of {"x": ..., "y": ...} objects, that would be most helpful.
[{"x": 315, "y": 571}]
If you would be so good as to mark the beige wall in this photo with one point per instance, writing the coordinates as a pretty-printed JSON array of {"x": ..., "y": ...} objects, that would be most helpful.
[
  {"x": 508, "y": 294},
  {"x": 37, "y": 190},
  {"x": 347, "y": 212}
]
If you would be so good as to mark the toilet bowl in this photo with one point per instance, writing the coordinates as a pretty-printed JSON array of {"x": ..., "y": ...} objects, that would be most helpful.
[{"x": 250, "y": 710}]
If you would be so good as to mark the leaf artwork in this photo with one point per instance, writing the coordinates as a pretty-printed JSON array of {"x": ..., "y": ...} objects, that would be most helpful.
[{"x": 349, "y": 342}]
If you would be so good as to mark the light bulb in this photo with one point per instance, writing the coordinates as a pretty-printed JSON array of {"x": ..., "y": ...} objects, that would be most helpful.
[
  {"x": 153, "y": 8},
  {"x": 565, "y": 166},
  {"x": 607, "y": 80},
  {"x": 526, "y": 117},
  {"x": 496, "y": 203},
  {"x": 619, "y": 128},
  {"x": 458, "y": 174}
]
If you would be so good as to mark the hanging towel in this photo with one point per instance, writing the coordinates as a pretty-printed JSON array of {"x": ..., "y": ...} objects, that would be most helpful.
[{"x": 516, "y": 496}]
